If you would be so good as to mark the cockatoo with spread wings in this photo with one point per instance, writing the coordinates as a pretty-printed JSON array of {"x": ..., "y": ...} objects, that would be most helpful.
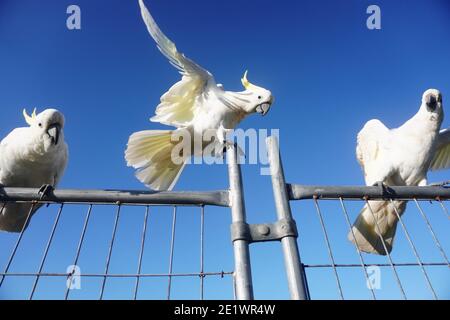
[
  {"x": 195, "y": 105},
  {"x": 31, "y": 157},
  {"x": 398, "y": 157}
]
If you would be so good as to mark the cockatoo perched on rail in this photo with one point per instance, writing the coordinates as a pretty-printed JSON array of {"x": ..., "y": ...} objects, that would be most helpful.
[
  {"x": 398, "y": 157},
  {"x": 195, "y": 105},
  {"x": 31, "y": 157}
]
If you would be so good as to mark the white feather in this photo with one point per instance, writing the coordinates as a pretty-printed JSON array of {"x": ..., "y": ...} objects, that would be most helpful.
[
  {"x": 400, "y": 156},
  {"x": 29, "y": 159},
  {"x": 441, "y": 159},
  {"x": 195, "y": 104},
  {"x": 180, "y": 104},
  {"x": 150, "y": 152}
]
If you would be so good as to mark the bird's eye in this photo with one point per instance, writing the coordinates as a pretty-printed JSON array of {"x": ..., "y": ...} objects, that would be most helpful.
[
  {"x": 40, "y": 124},
  {"x": 259, "y": 97}
]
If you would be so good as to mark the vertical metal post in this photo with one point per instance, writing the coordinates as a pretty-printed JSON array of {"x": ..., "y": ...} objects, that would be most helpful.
[
  {"x": 242, "y": 270},
  {"x": 294, "y": 268},
  {"x": 172, "y": 250},
  {"x": 202, "y": 253}
]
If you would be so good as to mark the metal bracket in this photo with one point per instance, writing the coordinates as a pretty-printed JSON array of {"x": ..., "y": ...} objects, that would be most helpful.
[{"x": 263, "y": 232}]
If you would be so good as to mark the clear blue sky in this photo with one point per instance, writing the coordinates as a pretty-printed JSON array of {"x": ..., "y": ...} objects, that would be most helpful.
[{"x": 328, "y": 72}]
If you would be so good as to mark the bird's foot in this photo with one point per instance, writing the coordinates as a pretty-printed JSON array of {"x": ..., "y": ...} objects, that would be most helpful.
[
  {"x": 225, "y": 145},
  {"x": 380, "y": 184},
  {"x": 45, "y": 191},
  {"x": 384, "y": 188},
  {"x": 229, "y": 144},
  {"x": 223, "y": 148}
]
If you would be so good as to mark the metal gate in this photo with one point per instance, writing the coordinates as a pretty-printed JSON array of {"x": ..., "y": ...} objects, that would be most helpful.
[
  {"x": 243, "y": 235},
  {"x": 297, "y": 271}
]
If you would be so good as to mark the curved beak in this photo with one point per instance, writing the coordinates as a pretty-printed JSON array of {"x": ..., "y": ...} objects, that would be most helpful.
[
  {"x": 263, "y": 108},
  {"x": 54, "y": 131}
]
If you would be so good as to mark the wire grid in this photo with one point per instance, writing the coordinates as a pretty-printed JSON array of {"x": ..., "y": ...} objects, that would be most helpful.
[
  {"x": 333, "y": 265},
  {"x": 390, "y": 263},
  {"x": 70, "y": 276}
]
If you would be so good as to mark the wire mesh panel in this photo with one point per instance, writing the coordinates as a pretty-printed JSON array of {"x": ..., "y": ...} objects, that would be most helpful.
[
  {"x": 417, "y": 267},
  {"x": 127, "y": 244},
  {"x": 110, "y": 251},
  {"x": 334, "y": 268}
]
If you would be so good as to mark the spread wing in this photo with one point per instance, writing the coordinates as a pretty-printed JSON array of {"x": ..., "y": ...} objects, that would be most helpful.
[
  {"x": 180, "y": 104},
  {"x": 441, "y": 159},
  {"x": 372, "y": 140}
]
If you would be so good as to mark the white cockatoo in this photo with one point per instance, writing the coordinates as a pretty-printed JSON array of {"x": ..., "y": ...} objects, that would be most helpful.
[
  {"x": 31, "y": 157},
  {"x": 195, "y": 105},
  {"x": 398, "y": 157}
]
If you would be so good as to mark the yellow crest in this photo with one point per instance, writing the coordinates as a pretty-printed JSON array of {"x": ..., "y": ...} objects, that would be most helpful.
[
  {"x": 245, "y": 81},
  {"x": 28, "y": 119}
]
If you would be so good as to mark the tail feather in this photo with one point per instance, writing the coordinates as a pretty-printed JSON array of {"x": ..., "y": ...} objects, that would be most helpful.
[
  {"x": 150, "y": 152},
  {"x": 366, "y": 230},
  {"x": 14, "y": 215}
]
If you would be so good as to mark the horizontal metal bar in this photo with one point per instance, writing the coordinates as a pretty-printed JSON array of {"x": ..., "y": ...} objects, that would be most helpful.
[
  {"x": 214, "y": 198},
  {"x": 411, "y": 264},
  {"x": 300, "y": 192},
  {"x": 101, "y": 275}
]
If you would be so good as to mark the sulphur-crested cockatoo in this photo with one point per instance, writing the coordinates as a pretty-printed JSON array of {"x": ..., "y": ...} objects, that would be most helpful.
[
  {"x": 31, "y": 157},
  {"x": 398, "y": 157},
  {"x": 196, "y": 106}
]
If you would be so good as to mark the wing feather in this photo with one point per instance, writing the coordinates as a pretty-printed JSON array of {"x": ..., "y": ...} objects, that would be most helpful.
[
  {"x": 441, "y": 159},
  {"x": 369, "y": 146},
  {"x": 179, "y": 105}
]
